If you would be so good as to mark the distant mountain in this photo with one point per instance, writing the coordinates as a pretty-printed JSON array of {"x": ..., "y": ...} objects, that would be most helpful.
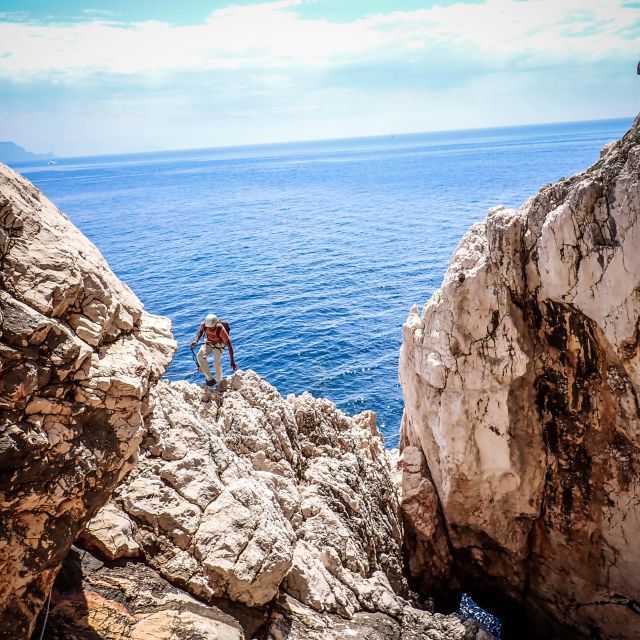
[{"x": 11, "y": 152}]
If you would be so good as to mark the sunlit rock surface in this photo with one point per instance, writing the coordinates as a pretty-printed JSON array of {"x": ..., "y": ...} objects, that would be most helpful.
[
  {"x": 286, "y": 507},
  {"x": 521, "y": 379},
  {"x": 78, "y": 356}
]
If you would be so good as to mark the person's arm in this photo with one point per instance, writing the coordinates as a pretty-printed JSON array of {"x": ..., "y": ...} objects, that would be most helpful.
[
  {"x": 200, "y": 332},
  {"x": 224, "y": 336}
]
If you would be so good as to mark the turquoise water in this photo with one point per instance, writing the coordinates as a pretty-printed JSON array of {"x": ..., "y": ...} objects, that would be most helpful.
[{"x": 314, "y": 252}]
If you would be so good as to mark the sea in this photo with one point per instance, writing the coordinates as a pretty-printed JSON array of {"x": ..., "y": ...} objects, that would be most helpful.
[{"x": 314, "y": 252}]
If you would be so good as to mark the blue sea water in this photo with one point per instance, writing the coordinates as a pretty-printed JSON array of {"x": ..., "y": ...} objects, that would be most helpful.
[{"x": 314, "y": 252}]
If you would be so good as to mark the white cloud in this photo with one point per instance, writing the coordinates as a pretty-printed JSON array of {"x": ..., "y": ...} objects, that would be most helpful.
[
  {"x": 265, "y": 72},
  {"x": 275, "y": 35}
]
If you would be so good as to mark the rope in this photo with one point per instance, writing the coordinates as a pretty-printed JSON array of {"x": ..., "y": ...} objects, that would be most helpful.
[
  {"x": 193, "y": 355},
  {"x": 179, "y": 376},
  {"x": 46, "y": 616}
]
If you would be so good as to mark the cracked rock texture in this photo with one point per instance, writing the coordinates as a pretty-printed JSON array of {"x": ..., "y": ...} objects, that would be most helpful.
[
  {"x": 77, "y": 358},
  {"x": 521, "y": 379},
  {"x": 93, "y": 600},
  {"x": 285, "y": 507}
]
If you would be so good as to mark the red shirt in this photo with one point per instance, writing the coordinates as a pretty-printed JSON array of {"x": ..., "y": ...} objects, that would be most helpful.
[{"x": 212, "y": 334}]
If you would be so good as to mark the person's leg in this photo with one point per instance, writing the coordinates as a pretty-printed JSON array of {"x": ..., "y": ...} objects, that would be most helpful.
[
  {"x": 217, "y": 362},
  {"x": 205, "y": 350}
]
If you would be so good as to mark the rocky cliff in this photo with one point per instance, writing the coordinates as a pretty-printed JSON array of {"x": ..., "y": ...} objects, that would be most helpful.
[
  {"x": 522, "y": 422},
  {"x": 78, "y": 355}
]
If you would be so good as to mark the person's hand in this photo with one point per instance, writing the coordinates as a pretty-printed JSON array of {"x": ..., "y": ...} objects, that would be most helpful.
[
  {"x": 193, "y": 344},
  {"x": 234, "y": 366}
]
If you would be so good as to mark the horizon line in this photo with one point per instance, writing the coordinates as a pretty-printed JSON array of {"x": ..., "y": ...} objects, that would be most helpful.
[{"x": 331, "y": 139}]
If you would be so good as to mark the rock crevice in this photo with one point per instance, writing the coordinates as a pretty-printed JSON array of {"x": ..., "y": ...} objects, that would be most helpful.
[{"x": 285, "y": 507}]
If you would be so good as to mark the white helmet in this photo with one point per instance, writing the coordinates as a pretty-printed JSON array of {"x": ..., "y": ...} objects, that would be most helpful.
[{"x": 210, "y": 320}]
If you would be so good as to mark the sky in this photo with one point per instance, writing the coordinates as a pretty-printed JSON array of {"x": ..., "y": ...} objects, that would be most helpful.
[{"x": 116, "y": 76}]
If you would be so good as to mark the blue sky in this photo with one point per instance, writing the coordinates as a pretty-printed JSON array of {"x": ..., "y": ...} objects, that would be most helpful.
[{"x": 105, "y": 77}]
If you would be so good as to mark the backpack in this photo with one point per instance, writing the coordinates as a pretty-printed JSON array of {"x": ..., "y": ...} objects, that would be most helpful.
[{"x": 226, "y": 325}]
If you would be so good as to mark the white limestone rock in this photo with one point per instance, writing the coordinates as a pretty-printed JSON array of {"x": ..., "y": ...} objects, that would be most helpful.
[
  {"x": 520, "y": 379},
  {"x": 205, "y": 501},
  {"x": 78, "y": 355},
  {"x": 111, "y": 533},
  {"x": 292, "y": 620},
  {"x": 249, "y": 496}
]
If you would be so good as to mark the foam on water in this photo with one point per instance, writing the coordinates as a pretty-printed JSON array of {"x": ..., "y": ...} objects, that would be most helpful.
[{"x": 314, "y": 252}]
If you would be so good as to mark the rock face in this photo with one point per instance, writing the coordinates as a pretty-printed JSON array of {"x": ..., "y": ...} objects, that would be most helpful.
[
  {"x": 285, "y": 507},
  {"x": 78, "y": 356},
  {"x": 93, "y": 600},
  {"x": 521, "y": 379}
]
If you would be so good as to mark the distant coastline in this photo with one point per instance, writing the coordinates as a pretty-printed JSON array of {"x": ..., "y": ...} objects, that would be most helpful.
[{"x": 11, "y": 152}]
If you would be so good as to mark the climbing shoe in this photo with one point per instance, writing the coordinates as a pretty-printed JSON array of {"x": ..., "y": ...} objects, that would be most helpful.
[{"x": 211, "y": 382}]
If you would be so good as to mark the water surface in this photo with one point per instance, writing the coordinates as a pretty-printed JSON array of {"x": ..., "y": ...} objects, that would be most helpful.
[{"x": 314, "y": 252}]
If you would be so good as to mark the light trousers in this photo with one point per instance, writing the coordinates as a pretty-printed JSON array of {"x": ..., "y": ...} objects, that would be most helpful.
[{"x": 204, "y": 352}]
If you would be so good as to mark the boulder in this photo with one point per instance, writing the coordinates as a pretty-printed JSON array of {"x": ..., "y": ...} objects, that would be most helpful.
[
  {"x": 520, "y": 379},
  {"x": 78, "y": 357}
]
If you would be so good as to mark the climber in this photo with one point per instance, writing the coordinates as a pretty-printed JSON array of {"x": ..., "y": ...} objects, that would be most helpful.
[{"x": 216, "y": 339}]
